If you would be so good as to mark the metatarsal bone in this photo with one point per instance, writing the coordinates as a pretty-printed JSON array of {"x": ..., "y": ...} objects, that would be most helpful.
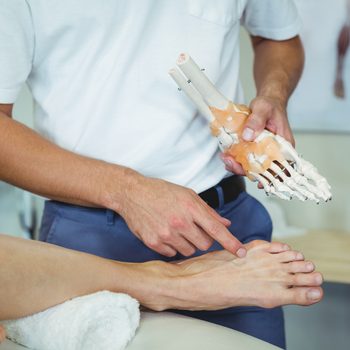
[
  {"x": 263, "y": 181},
  {"x": 200, "y": 81},
  {"x": 268, "y": 188},
  {"x": 279, "y": 186},
  {"x": 305, "y": 167},
  {"x": 287, "y": 181},
  {"x": 302, "y": 180},
  {"x": 295, "y": 180},
  {"x": 287, "y": 149},
  {"x": 274, "y": 185}
]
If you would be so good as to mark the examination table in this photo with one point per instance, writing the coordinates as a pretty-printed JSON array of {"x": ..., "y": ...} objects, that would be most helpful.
[{"x": 168, "y": 331}]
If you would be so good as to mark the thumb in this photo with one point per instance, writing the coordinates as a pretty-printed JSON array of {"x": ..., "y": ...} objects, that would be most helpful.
[{"x": 254, "y": 125}]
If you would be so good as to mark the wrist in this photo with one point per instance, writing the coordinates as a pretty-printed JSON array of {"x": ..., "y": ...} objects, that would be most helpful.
[
  {"x": 276, "y": 98},
  {"x": 117, "y": 181},
  {"x": 274, "y": 91}
]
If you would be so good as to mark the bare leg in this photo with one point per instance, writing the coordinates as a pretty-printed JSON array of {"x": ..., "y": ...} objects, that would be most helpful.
[{"x": 36, "y": 275}]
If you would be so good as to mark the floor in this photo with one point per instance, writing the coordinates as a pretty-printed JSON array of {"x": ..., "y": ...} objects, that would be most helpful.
[{"x": 323, "y": 326}]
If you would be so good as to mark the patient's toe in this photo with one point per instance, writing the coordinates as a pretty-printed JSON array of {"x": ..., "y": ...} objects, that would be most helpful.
[
  {"x": 290, "y": 255},
  {"x": 307, "y": 296},
  {"x": 306, "y": 279},
  {"x": 300, "y": 266},
  {"x": 278, "y": 247}
]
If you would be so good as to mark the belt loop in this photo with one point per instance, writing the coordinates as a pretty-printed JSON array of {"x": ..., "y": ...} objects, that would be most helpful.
[
  {"x": 220, "y": 193},
  {"x": 110, "y": 215}
]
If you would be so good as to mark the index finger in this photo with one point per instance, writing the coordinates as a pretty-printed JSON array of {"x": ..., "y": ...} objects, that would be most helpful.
[{"x": 215, "y": 229}]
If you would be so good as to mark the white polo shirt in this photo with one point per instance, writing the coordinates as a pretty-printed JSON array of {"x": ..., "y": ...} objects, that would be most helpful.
[{"x": 98, "y": 72}]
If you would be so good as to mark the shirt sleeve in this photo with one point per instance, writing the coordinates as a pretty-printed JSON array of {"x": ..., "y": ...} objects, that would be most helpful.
[
  {"x": 271, "y": 19},
  {"x": 16, "y": 47}
]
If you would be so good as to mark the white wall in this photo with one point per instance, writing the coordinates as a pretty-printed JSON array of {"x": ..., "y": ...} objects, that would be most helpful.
[{"x": 328, "y": 152}]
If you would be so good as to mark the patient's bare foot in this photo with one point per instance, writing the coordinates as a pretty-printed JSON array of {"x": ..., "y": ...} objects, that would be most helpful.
[
  {"x": 2, "y": 333},
  {"x": 270, "y": 275}
]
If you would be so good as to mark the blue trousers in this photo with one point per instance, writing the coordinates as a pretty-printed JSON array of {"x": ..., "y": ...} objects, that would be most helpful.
[{"x": 104, "y": 233}]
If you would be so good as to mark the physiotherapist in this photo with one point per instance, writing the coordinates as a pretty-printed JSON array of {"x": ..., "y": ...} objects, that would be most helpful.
[{"x": 129, "y": 166}]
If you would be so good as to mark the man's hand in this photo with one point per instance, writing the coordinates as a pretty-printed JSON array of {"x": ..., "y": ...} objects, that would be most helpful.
[
  {"x": 169, "y": 218},
  {"x": 267, "y": 113},
  {"x": 277, "y": 68}
]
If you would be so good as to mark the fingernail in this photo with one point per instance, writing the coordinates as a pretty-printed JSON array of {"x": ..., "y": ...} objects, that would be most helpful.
[
  {"x": 241, "y": 253},
  {"x": 228, "y": 162},
  {"x": 248, "y": 134},
  {"x": 228, "y": 221},
  {"x": 313, "y": 294}
]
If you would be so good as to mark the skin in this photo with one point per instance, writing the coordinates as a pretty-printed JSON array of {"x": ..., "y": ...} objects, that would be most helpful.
[
  {"x": 35, "y": 276},
  {"x": 278, "y": 274},
  {"x": 277, "y": 69},
  {"x": 2, "y": 334},
  {"x": 168, "y": 218}
]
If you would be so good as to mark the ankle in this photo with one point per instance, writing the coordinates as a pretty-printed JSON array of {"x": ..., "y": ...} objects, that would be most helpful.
[{"x": 154, "y": 284}]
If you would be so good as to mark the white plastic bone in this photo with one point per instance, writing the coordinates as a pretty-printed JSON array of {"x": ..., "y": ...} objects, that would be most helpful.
[
  {"x": 269, "y": 159},
  {"x": 320, "y": 185},
  {"x": 192, "y": 93},
  {"x": 204, "y": 86}
]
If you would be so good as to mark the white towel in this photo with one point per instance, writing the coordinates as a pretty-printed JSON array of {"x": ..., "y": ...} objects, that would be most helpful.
[{"x": 103, "y": 320}]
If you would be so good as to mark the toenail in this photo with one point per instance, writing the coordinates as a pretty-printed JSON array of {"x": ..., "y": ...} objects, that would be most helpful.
[
  {"x": 285, "y": 247},
  {"x": 313, "y": 294},
  {"x": 300, "y": 256},
  {"x": 309, "y": 266},
  {"x": 318, "y": 279}
]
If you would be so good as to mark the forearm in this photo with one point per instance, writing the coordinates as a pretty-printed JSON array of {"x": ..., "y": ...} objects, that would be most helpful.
[
  {"x": 36, "y": 275},
  {"x": 29, "y": 161},
  {"x": 277, "y": 67}
]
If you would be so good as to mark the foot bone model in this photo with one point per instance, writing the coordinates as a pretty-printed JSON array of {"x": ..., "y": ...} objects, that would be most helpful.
[{"x": 269, "y": 159}]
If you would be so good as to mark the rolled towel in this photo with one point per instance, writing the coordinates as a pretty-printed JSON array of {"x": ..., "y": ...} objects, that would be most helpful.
[{"x": 103, "y": 320}]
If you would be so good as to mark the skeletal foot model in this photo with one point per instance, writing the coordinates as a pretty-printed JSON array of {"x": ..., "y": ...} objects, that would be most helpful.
[{"x": 269, "y": 159}]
